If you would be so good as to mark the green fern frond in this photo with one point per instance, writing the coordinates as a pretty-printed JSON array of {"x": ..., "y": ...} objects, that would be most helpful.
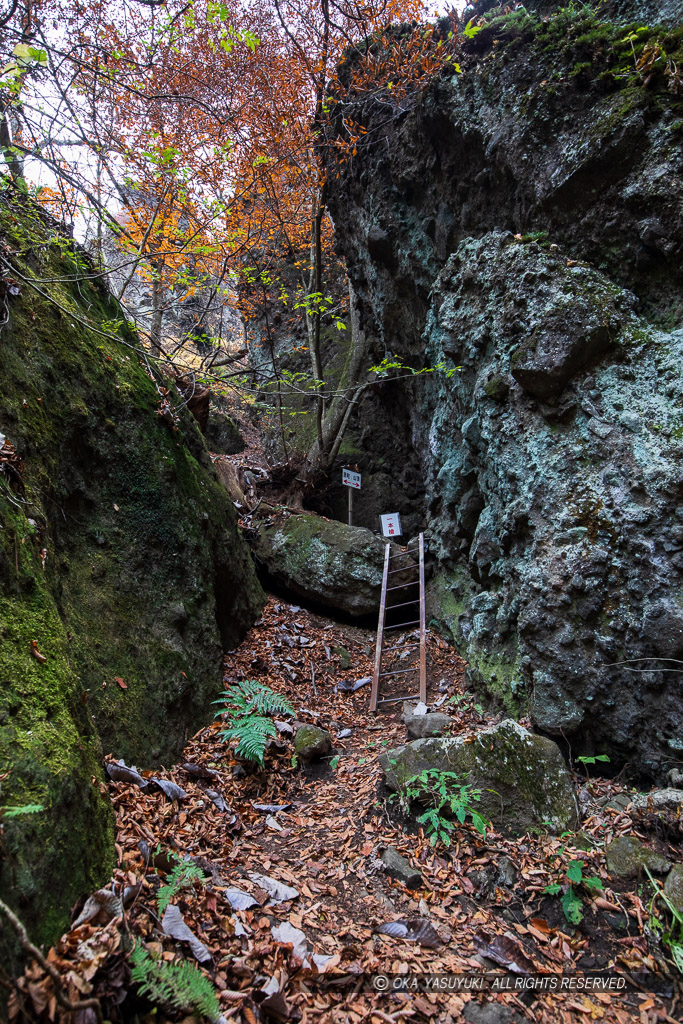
[
  {"x": 15, "y": 812},
  {"x": 180, "y": 986},
  {"x": 184, "y": 874},
  {"x": 251, "y": 697},
  {"x": 244, "y": 708}
]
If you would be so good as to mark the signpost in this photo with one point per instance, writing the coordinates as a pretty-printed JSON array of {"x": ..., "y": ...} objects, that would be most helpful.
[
  {"x": 351, "y": 480},
  {"x": 391, "y": 525}
]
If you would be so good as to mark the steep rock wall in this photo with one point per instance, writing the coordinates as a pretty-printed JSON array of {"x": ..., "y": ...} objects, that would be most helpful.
[
  {"x": 523, "y": 220},
  {"x": 119, "y": 557}
]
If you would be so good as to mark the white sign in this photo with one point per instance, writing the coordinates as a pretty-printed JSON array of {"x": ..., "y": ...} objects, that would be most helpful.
[
  {"x": 391, "y": 525},
  {"x": 351, "y": 479}
]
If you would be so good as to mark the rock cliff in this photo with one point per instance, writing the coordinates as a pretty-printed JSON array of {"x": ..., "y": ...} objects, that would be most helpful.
[
  {"x": 122, "y": 574},
  {"x": 520, "y": 220}
]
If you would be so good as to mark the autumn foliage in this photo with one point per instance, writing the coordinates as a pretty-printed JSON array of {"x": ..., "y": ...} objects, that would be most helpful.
[{"x": 192, "y": 133}]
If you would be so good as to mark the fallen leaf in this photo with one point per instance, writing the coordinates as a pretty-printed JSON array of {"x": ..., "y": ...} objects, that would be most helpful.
[
  {"x": 199, "y": 771},
  {"x": 239, "y": 900},
  {"x": 170, "y": 789},
  {"x": 278, "y": 891},
  {"x": 103, "y": 902},
  {"x": 119, "y": 680},
  {"x": 172, "y": 924},
  {"x": 287, "y": 934},
  {"x": 119, "y": 772},
  {"x": 417, "y": 929},
  {"x": 504, "y": 951}
]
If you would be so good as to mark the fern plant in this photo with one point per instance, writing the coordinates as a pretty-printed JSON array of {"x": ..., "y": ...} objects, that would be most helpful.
[
  {"x": 16, "y": 812},
  {"x": 245, "y": 708},
  {"x": 183, "y": 875},
  {"x": 180, "y": 986}
]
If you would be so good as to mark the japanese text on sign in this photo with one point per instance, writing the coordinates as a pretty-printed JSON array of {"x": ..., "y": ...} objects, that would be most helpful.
[
  {"x": 351, "y": 479},
  {"x": 391, "y": 525}
]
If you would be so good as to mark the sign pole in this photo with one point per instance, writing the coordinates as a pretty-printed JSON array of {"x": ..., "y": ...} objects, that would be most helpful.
[{"x": 350, "y": 490}]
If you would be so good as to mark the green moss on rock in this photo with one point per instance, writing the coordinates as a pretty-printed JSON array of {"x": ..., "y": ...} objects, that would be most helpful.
[
  {"x": 524, "y": 782},
  {"x": 119, "y": 556}
]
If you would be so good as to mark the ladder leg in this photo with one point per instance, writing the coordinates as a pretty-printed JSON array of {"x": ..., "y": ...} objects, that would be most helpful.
[
  {"x": 374, "y": 692},
  {"x": 423, "y": 624}
]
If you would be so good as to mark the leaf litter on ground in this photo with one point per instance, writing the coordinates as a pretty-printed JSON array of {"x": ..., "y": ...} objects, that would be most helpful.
[{"x": 319, "y": 877}]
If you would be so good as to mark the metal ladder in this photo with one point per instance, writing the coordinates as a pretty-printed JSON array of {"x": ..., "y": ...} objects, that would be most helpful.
[{"x": 382, "y": 628}]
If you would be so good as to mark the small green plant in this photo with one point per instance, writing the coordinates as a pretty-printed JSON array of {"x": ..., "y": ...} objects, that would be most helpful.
[
  {"x": 245, "y": 708},
  {"x": 183, "y": 875},
  {"x": 465, "y": 702},
  {"x": 181, "y": 986},
  {"x": 450, "y": 798},
  {"x": 334, "y": 762},
  {"x": 585, "y": 760},
  {"x": 16, "y": 812},
  {"x": 671, "y": 935},
  {"x": 572, "y": 897}
]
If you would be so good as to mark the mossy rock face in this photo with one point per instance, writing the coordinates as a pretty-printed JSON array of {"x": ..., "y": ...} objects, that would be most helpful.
[
  {"x": 222, "y": 434},
  {"x": 524, "y": 782},
  {"x": 119, "y": 557},
  {"x": 334, "y": 565}
]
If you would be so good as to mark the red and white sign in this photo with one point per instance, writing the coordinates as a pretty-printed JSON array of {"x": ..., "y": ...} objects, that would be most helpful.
[
  {"x": 391, "y": 525},
  {"x": 351, "y": 479}
]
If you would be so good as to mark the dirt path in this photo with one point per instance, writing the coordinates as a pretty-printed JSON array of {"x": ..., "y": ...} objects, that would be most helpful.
[{"x": 326, "y": 842}]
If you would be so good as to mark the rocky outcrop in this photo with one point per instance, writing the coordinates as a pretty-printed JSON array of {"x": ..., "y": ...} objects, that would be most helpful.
[
  {"x": 325, "y": 562},
  {"x": 122, "y": 573},
  {"x": 531, "y": 220},
  {"x": 523, "y": 780}
]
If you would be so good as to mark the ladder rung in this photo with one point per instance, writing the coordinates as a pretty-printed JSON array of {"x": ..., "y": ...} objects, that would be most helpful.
[
  {"x": 393, "y": 700},
  {"x": 398, "y": 672},
  {"x": 402, "y": 586},
  {"x": 413, "y": 623},
  {"x": 403, "y": 604},
  {"x": 399, "y": 647},
  {"x": 406, "y": 568}
]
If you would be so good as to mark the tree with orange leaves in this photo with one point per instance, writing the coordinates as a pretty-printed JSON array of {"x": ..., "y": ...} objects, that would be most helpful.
[{"x": 190, "y": 131}]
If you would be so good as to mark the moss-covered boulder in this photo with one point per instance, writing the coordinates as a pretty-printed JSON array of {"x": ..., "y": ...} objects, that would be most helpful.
[
  {"x": 312, "y": 743},
  {"x": 524, "y": 782},
  {"x": 122, "y": 574},
  {"x": 627, "y": 857},
  {"x": 673, "y": 887},
  {"x": 324, "y": 561}
]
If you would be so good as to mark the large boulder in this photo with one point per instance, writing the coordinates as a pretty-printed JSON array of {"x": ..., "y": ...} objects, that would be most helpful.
[
  {"x": 530, "y": 215},
  {"x": 325, "y": 562},
  {"x": 122, "y": 573},
  {"x": 522, "y": 777}
]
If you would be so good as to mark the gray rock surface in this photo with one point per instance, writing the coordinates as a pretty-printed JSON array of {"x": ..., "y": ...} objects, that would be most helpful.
[
  {"x": 398, "y": 867},
  {"x": 311, "y": 743},
  {"x": 523, "y": 778},
  {"x": 524, "y": 221},
  {"x": 673, "y": 887},
  {"x": 659, "y": 800},
  {"x": 433, "y": 723},
  {"x": 325, "y": 561},
  {"x": 627, "y": 857}
]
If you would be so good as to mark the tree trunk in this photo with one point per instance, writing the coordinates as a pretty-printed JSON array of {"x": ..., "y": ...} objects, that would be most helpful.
[{"x": 157, "y": 314}]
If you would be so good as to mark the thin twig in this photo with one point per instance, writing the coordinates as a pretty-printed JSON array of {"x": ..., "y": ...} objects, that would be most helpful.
[{"x": 33, "y": 951}]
